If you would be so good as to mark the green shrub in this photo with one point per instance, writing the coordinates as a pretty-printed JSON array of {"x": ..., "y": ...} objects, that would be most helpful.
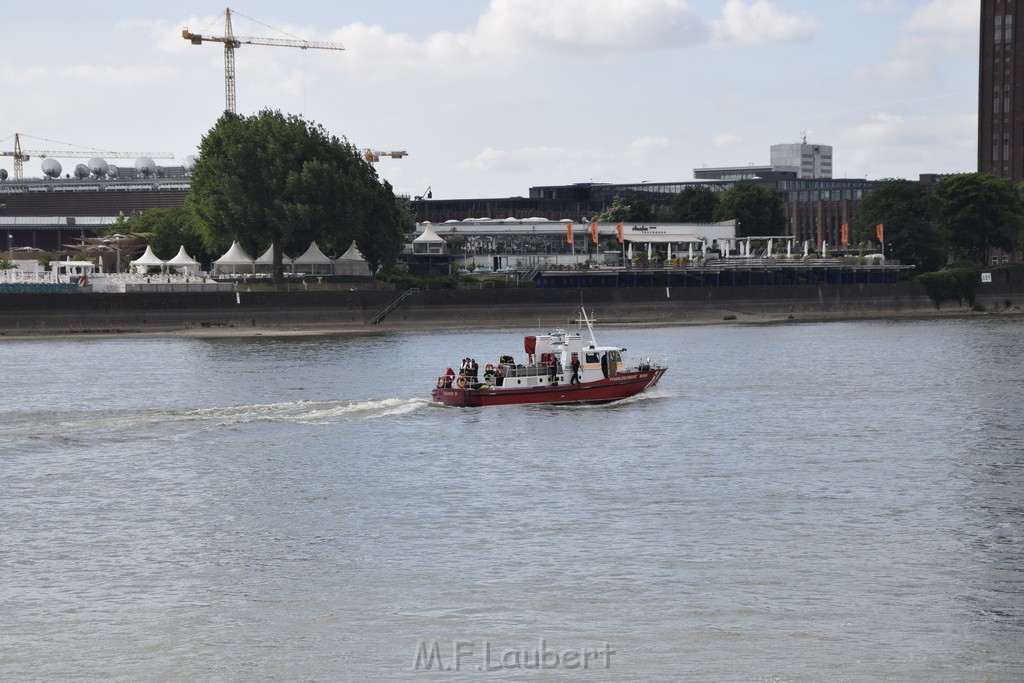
[{"x": 954, "y": 284}]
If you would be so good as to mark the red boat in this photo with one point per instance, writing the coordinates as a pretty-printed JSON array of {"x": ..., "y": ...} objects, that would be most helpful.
[{"x": 560, "y": 368}]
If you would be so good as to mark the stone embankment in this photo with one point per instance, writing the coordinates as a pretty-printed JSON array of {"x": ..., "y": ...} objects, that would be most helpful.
[{"x": 529, "y": 308}]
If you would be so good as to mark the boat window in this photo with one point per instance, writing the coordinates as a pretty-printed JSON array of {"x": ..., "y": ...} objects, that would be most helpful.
[{"x": 592, "y": 357}]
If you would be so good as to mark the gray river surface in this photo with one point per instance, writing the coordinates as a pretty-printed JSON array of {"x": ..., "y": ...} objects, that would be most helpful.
[{"x": 812, "y": 502}]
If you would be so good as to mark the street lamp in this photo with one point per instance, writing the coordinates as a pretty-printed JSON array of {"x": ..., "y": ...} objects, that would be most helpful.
[{"x": 10, "y": 239}]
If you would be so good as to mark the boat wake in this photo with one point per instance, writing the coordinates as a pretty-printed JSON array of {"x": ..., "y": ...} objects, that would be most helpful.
[
  {"x": 309, "y": 412},
  {"x": 81, "y": 426}
]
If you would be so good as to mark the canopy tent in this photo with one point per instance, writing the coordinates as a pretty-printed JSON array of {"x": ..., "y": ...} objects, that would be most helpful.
[
  {"x": 429, "y": 242},
  {"x": 147, "y": 260},
  {"x": 184, "y": 262},
  {"x": 313, "y": 262},
  {"x": 233, "y": 260},
  {"x": 352, "y": 264},
  {"x": 265, "y": 262}
]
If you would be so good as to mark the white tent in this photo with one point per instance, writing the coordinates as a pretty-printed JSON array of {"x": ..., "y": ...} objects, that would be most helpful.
[
  {"x": 352, "y": 263},
  {"x": 313, "y": 262},
  {"x": 429, "y": 242},
  {"x": 233, "y": 260},
  {"x": 265, "y": 263},
  {"x": 147, "y": 259},
  {"x": 184, "y": 262}
]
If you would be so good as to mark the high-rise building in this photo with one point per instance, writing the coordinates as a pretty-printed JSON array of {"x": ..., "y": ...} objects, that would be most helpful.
[
  {"x": 1001, "y": 91},
  {"x": 807, "y": 160}
]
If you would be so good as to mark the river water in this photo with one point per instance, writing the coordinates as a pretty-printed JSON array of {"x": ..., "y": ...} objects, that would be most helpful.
[{"x": 833, "y": 501}]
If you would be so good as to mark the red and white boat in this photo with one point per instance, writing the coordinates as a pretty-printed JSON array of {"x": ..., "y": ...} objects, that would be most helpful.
[{"x": 560, "y": 368}]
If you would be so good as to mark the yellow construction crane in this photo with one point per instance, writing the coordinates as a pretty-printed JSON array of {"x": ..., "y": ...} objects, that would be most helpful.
[
  {"x": 21, "y": 156},
  {"x": 372, "y": 156},
  {"x": 232, "y": 42}
]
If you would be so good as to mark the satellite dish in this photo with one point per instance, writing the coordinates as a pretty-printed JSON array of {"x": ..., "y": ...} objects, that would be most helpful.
[
  {"x": 3, "y": 174},
  {"x": 51, "y": 168},
  {"x": 81, "y": 171},
  {"x": 145, "y": 166},
  {"x": 98, "y": 167},
  {"x": 190, "y": 163},
  {"x": 112, "y": 171}
]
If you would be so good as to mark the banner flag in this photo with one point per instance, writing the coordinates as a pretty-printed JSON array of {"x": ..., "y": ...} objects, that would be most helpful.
[
  {"x": 568, "y": 233},
  {"x": 618, "y": 232},
  {"x": 844, "y": 237},
  {"x": 593, "y": 232},
  {"x": 880, "y": 232}
]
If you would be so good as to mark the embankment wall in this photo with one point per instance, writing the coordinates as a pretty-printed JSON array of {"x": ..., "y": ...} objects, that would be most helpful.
[{"x": 343, "y": 310}]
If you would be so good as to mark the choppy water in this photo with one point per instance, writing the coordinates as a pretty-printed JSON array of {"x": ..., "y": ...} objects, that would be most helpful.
[{"x": 793, "y": 503}]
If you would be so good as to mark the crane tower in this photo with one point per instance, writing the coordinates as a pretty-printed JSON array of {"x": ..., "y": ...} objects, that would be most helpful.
[{"x": 232, "y": 42}]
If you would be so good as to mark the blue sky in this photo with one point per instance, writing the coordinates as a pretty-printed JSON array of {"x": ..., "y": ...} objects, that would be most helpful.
[{"x": 491, "y": 97}]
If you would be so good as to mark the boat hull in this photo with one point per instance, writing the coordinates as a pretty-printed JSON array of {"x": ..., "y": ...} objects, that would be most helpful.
[{"x": 622, "y": 385}]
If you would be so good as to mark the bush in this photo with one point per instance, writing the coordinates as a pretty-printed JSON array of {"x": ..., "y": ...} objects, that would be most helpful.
[{"x": 954, "y": 284}]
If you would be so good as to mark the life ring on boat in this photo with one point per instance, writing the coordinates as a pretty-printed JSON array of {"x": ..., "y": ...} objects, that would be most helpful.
[
  {"x": 462, "y": 382},
  {"x": 440, "y": 382}
]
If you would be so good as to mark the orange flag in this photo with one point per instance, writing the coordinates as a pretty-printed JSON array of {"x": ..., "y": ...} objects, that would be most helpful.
[
  {"x": 844, "y": 237},
  {"x": 568, "y": 233},
  {"x": 593, "y": 232},
  {"x": 880, "y": 232},
  {"x": 618, "y": 232}
]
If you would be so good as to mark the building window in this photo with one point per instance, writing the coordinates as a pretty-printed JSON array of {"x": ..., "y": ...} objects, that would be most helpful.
[
  {"x": 995, "y": 152},
  {"x": 1007, "y": 35},
  {"x": 999, "y": 29},
  {"x": 1006, "y": 105},
  {"x": 995, "y": 105},
  {"x": 1006, "y": 152}
]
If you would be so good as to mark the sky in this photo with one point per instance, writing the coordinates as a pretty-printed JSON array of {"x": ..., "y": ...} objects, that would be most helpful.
[{"x": 492, "y": 97}]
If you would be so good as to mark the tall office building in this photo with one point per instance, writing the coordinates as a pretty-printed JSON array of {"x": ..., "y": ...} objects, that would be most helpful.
[
  {"x": 1001, "y": 90},
  {"x": 808, "y": 161}
]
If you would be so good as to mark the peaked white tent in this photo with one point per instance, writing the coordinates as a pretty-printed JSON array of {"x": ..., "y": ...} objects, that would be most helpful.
[
  {"x": 429, "y": 242},
  {"x": 313, "y": 262},
  {"x": 352, "y": 263},
  {"x": 234, "y": 260},
  {"x": 265, "y": 262},
  {"x": 147, "y": 259},
  {"x": 185, "y": 263}
]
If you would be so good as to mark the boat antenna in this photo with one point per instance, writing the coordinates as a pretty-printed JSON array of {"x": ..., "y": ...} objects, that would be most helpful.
[{"x": 590, "y": 328}]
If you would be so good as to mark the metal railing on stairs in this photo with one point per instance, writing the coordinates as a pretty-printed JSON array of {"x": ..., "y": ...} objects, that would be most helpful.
[{"x": 383, "y": 313}]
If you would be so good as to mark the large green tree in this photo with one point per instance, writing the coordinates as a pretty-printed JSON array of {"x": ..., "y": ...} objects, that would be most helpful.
[
  {"x": 277, "y": 180},
  {"x": 908, "y": 210},
  {"x": 978, "y": 211},
  {"x": 757, "y": 210},
  {"x": 695, "y": 204}
]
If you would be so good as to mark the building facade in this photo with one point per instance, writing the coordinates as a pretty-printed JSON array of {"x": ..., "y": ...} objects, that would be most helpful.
[
  {"x": 806, "y": 159},
  {"x": 1001, "y": 91}
]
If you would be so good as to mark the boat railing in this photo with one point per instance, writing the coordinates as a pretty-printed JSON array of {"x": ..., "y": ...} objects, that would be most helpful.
[{"x": 654, "y": 361}]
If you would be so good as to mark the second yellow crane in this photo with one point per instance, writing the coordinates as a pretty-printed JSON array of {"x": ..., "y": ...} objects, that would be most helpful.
[{"x": 232, "y": 42}]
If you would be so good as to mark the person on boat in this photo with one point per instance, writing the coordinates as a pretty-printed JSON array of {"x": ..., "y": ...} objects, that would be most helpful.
[
  {"x": 474, "y": 370},
  {"x": 575, "y": 369},
  {"x": 449, "y": 376}
]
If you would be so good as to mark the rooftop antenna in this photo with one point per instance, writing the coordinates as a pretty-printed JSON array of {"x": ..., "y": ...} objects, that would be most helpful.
[{"x": 803, "y": 135}]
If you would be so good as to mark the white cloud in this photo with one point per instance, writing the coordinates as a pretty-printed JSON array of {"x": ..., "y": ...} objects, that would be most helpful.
[
  {"x": 760, "y": 21},
  {"x": 949, "y": 16},
  {"x": 513, "y": 30},
  {"x": 724, "y": 140},
  {"x": 878, "y": 6},
  {"x": 649, "y": 147},
  {"x": 927, "y": 143}
]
